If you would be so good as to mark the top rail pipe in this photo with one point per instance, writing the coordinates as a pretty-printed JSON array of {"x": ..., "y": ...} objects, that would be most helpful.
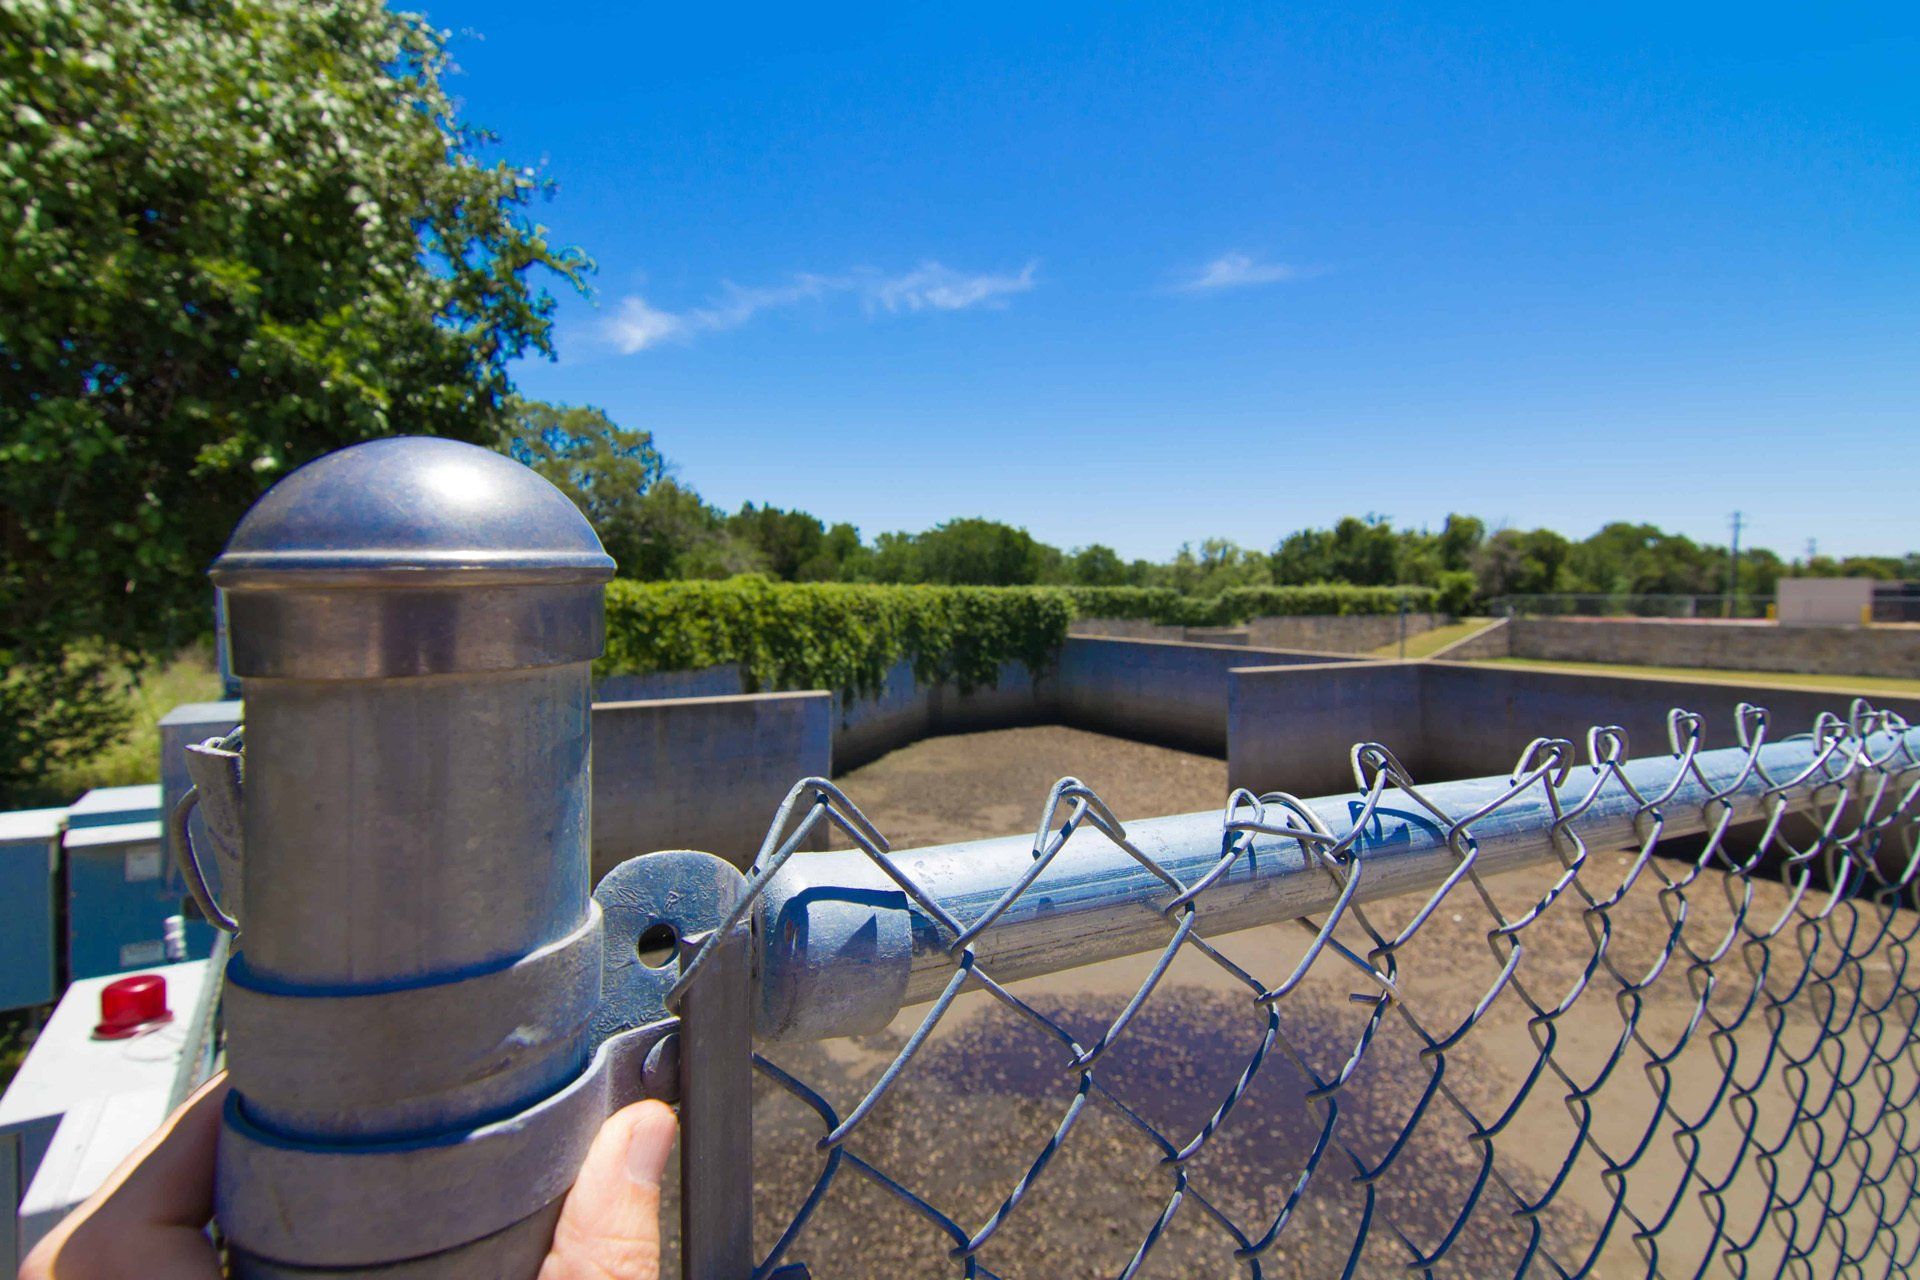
[{"x": 844, "y": 949}]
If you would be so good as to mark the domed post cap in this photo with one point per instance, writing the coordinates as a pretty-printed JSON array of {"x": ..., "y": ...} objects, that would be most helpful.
[
  {"x": 412, "y": 556},
  {"x": 414, "y": 506}
]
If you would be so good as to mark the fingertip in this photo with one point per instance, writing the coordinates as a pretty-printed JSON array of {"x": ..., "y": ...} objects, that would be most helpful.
[
  {"x": 651, "y": 1127},
  {"x": 610, "y": 1225}
]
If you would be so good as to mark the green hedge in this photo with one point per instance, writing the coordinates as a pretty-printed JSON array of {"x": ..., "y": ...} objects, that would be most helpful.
[
  {"x": 803, "y": 635},
  {"x": 1230, "y": 608},
  {"x": 1149, "y": 604},
  {"x": 831, "y": 635}
]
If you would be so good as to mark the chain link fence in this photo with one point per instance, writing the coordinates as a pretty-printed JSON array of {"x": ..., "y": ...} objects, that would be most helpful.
[
  {"x": 1606, "y": 1016},
  {"x": 1611, "y": 1014}
]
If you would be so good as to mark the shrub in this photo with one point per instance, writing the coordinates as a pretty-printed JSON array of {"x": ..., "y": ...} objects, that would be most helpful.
[
  {"x": 1455, "y": 593},
  {"x": 832, "y": 635},
  {"x": 1151, "y": 604},
  {"x": 1243, "y": 603},
  {"x": 1239, "y": 604}
]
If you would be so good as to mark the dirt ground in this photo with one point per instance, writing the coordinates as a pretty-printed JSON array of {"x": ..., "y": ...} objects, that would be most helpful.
[
  {"x": 943, "y": 790},
  {"x": 988, "y": 1093}
]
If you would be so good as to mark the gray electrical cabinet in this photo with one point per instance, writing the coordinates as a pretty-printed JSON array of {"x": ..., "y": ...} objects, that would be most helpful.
[
  {"x": 29, "y": 889},
  {"x": 116, "y": 806}
]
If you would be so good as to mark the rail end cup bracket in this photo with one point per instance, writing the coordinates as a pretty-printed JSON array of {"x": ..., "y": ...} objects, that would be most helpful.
[
  {"x": 835, "y": 949},
  {"x": 651, "y": 905},
  {"x": 415, "y": 1069}
]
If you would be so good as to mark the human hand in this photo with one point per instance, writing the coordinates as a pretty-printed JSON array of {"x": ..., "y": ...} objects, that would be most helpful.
[{"x": 148, "y": 1221}]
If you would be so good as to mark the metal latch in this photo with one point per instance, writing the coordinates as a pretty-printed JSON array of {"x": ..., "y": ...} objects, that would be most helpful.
[{"x": 216, "y": 767}]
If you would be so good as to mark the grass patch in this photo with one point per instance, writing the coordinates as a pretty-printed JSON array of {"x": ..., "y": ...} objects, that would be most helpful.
[
  {"x": 1431, "y": 642},
  {"x": 190, "y": 676},
  {"x": 1714, "y": 675}
]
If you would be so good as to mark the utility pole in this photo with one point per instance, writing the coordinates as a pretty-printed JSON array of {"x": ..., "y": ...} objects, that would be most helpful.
[{"x": 1733, "y": 565}]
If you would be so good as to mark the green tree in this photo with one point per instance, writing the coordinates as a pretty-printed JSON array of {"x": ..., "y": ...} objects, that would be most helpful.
[
  {"x": 680, "y": 535},
  {"x": 965, "y": 552},
  {"x": 606, "y": 469},
  {"x": 1458, "y": 540},
  {"x": 1363, "y": 552},
  {"x": 1220, "y": 565},
  {"x": 1643, "y": 559},
  {"x": 1097, "y": 566},
  {"x": 1521, "y": 562},
  {"x": 239, "y": 235},
  {"x": 795, "y": 546}
]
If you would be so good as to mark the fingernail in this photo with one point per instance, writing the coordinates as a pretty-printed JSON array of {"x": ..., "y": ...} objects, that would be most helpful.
[{"x": 648, "y": 1147}]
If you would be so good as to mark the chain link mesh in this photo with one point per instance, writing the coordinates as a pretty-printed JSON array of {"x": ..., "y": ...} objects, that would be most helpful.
[{"x": 1672, "y": 1060}]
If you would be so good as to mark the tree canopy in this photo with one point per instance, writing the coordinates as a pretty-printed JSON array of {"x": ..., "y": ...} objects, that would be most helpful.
[
  {"x": 239, "y": 235},
  {"x": 1465, "y": 563}
]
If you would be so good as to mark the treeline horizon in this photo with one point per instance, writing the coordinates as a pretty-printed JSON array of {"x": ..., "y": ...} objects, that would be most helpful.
[{"x": 657, "y": 528}]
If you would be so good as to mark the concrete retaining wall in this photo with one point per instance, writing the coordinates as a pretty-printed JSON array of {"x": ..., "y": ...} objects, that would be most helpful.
[
  {"x": 866, "y": 728},
  {"x": 1157, "y": 691},
  {"x": 1153, "y": 691},
  {"x": 701, "y": 773},
  {"x": 1492, "y": 641},
  {"x": 722, "y": 681},
  {"x": 1135, "y": 629},
  {"x": 1727, "y": 645},
  {"x": 1317, "y": 633},
  {"x": 1161, "y": 691},
  {"x": 1478, "y": 719},
  {"x": 1354, "y": 633},
  {"x": 708, "y": 772},
  {"x": 1292, "y": 728},
  {"x": 1218, "y": 635},
  {"x": 1126, "y": 629}
]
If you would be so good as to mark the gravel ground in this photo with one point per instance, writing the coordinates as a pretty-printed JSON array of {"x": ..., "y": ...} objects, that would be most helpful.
[
  {"x": 969, "y": 785},
  {"x": 986, "y": 1094}
]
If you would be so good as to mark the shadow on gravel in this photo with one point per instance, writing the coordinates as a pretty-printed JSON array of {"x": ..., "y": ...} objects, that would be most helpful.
[{"x": 983, "y": 1100}]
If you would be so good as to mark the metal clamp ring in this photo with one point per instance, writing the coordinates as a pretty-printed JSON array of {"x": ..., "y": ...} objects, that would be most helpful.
[{"x": 408, "y": 1041}]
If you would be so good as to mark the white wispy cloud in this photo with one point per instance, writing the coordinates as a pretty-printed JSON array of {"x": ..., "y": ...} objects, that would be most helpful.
[
  {"x": 636, "y": 324},
  {"x": 737, "y": 305},
  {"x": 1238, "y": 271},
  {"x": 931, "y": 285}
]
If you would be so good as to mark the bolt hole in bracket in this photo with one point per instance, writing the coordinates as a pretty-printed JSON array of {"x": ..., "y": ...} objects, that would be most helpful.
[
  {"x": 652, "y": 905},
  {"x": 704, "y": 1064},
  {"x": 658, "y": 945}
]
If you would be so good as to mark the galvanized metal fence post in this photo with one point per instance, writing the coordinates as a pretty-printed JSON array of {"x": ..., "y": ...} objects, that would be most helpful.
[{"x": 409, "y": 1007}]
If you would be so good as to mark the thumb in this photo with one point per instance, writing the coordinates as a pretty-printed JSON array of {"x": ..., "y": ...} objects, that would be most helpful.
[{"x": 609, "y": 1228}]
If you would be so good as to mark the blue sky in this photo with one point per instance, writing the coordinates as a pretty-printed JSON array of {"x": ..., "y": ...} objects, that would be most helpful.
[{"x": 1140, "y": 274}]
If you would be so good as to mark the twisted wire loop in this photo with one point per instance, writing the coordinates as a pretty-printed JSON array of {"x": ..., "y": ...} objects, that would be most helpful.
[{"x": 1799, "y": 1155}]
